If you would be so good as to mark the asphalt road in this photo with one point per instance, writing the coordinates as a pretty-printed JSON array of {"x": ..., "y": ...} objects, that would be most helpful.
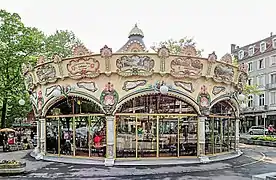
[{"x": 255, "y": 160}]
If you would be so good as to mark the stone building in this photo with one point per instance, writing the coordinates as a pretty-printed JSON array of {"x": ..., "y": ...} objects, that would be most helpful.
[{"x": 260, "y": 57}]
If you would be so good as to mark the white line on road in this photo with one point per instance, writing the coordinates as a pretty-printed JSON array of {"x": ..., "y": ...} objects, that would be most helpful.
[{"x": 254, "y": 162}]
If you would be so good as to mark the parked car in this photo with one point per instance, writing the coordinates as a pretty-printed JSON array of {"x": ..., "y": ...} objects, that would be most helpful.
[{"x": 257, "y": 130}]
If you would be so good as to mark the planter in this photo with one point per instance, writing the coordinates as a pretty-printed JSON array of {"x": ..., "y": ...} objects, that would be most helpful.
[
  {"x": 266, "y": 143},
  {"x": 12, "y": 167},
  {"x": 258, "y": 142}
]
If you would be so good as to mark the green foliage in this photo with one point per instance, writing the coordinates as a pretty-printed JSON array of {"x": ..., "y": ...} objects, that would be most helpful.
[
  {"x": 20, "y": 44},
  {"x": 264, "y": 138},
  {"x": 251, "y": 89},
  {"x": 61, "y": 43},
  {"x": 175, "y": 46}
]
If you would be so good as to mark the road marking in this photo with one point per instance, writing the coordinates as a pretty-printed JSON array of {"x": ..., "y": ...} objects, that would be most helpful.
[{"x": 254, "y": 162}]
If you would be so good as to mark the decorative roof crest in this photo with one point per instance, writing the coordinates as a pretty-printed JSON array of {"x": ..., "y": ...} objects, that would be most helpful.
[
  {"x": 188, "y": 50},
  {"x": 136, "y": 32},
  {"x": 227, "y": 58},
  {"x": 80, "y": 50}
]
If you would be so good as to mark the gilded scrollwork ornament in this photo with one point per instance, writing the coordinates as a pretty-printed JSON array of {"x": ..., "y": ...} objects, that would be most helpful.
[
  {"x": 129, "y": 85},
  {"x": 204, "y": 99},
  {"x": 106, "y": 53},
  {"x": 57, "y": 59},
  {"x": 211, "y": 60},
  {"x": 109, "y": 98},
  {"x": 189, "y": 50},
  {"x": 46, "y": 73},
  {"x": 227, "y": 58},
  {"x": 163, "y": 53},
  {"x": 186, "y": 67},
  {"x": 223, "y": 73},
  {"x": 84, "y": 67},
  {"x": 80, "y": 50},
  {"x": 135, "y": 65}
]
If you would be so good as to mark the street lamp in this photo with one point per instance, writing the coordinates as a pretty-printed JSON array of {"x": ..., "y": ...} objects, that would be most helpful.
[
  {"x": 56, "y": 92},
  {"x": 164, "y": 89},
  {"x": 21, "y": 103},
  {"x": 243, "y": 105},
  {"x": 241, "y": 97}
]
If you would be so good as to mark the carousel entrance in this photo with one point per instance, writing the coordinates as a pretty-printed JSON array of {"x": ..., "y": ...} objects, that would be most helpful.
[{"x": 156, "y": 126}]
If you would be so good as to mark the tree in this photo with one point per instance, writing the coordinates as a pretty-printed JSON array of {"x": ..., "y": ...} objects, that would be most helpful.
[
  {"x": 61, "y": 43},
  {"x": 175, "y": 46},
  {"x": 17, "y": 44},
  {"x": 20, "y": 44}
]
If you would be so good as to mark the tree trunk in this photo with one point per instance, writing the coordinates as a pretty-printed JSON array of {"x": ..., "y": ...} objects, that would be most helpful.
[{"x": 4, "y": 113}]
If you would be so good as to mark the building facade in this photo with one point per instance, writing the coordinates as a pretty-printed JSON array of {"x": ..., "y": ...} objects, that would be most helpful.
[
  {"x": 261, "y": 60},
  {"x": 112, "y": 107}
]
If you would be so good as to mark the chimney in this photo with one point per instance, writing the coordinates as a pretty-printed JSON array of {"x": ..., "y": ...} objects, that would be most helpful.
[
  {"x": 271, "y": 34},
  {"x": 233, "y": 48}
]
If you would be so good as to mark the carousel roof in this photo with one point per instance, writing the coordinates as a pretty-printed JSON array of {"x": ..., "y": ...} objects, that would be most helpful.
[{"x": 135, "y": 41}]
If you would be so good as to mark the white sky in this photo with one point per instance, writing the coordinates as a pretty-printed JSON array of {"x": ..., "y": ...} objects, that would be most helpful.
[{"x": 214, "y": 24}]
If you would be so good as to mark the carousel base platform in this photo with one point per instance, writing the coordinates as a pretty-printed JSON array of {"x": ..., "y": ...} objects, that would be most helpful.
[{"x": 138, "y": 162}]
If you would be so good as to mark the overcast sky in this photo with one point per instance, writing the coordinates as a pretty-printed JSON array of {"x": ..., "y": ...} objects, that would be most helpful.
[{"x": 214, "y": 24}]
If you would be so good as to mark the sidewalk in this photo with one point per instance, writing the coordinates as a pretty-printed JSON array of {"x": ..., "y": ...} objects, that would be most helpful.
[{"x": 23, "y": 156}]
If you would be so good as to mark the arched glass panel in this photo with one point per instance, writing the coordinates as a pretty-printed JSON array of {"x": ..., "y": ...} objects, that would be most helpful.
[
  {"x": 76, "y": 127},
  {"x": 156, "y": 126},
  {"x": 220, "y": 128}
]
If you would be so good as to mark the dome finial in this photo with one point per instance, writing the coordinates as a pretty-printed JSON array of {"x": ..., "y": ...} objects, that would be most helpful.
[{"x": 136, "y": 31}]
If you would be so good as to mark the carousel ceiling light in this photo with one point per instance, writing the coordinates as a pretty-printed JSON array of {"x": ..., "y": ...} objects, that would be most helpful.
[
  {"x": 56, "y": 92},
  {"x": 241, "y": 97},
  {"x": 164, "y": 89},
  {"x": 21, "y": 102}
]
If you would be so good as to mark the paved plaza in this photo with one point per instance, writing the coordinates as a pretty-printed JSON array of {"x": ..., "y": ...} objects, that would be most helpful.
[{"x": 255, "y": 160}]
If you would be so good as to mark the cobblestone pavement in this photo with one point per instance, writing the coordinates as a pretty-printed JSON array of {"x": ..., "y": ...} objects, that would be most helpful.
[{"x": 242, "y": 168}]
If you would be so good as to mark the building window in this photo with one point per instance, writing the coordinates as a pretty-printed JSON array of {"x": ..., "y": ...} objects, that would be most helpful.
[
  {"x": 273, "y": 78},
  {"x": 273, "y": 60},
  {"x": 249, "y": 82},
  {"x": 250, "y": 101},
  {"x": 262, "y": 46},
  {"x": 274, "y": 42},
  {"x": 249, "y": 66},
  {"x": 261, "y": 64},
  {"x": 273, "y": 98},
  {"x": 261, "y": 81},
  {"x": 251, "y": 51},
  {"x": 261, "y": 100},
  {"x": 241, "y": 54}
]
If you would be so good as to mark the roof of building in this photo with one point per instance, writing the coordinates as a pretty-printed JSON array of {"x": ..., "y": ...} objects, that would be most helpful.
[
  {"x": 256, "y": 46},
  {"x": 135, "y": 41}
]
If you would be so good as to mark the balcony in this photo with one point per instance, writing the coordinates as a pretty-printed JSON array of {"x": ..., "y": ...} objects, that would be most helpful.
[{"x": 271, "y": 86}]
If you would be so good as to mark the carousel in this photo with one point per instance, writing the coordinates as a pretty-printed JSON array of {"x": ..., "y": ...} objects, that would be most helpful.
[{"x": 133, "y": 105}]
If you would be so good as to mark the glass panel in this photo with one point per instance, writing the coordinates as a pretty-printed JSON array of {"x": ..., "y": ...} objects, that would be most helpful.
[
  {"x": 188, "y": 136},
  {"x": 52, "y": 135},
  {"x": 66, "y": 136},
  {"x": 209, "y": 136},
  {"x": 168, "y": 136},
  {"x": 82, "y": 136},
  {"x": 126, "y": 136},
  {"x": 156, "y": 104},
  {"x": 225, "y": 134},
  {"x": 217, "y": 135},
  {"x": 147, "y": 131},
  {"x": 98, "y": 136},
  {"x": 232, "y": 134}
]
